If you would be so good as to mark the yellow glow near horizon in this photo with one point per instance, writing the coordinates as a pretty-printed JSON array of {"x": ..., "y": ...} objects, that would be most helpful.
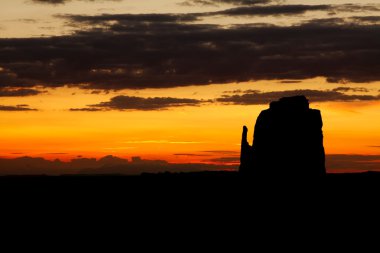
[{"x": 55, "y": 132}]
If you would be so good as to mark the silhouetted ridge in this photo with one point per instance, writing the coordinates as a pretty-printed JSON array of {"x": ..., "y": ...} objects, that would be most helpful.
[{"x": 288, "y": 141}]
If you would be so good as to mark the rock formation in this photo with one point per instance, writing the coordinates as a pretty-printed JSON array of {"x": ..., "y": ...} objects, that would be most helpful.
[{"x": 288, "y": 141}]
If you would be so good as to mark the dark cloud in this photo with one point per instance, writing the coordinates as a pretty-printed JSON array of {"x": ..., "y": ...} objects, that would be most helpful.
[
  {"x": 352, "y": 163},
  {"x": 357, "y": 8},
  {"x": 6, "y": 92},
  {"x": 160, "y": 51},
  {"x": 143, "y": 104},
  {"x": 17, "y": 108},
  {"x": 50, "y": 1},
  {"x": 254, "y": 97},
  {"x": 352, "y": 89},
  {"x": 273, "y": 10},
  {"x": 55, "y": 2},
  {"x": 86, "y": 109},
  {"x": 9, "y": 79},
  {"x": 266, "y": 10},
  {"x": 221, "y": 151},
  {"x": 225, "y": 160},
  {"x": 233, "y": 91},
  {"x": 249, "y": 8},
  {"x": 189, "y": 154},
  {"x": 367, "y": 19},
  {"x": 290, "y": 81},
  {"x": 217, "y": 2},
  {"x": 103, "y": 166},
  {"x": 130, "y": 19}
]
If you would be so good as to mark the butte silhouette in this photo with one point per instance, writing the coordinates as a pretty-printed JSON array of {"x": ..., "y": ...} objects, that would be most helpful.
[{"x": 288, "y": 141}]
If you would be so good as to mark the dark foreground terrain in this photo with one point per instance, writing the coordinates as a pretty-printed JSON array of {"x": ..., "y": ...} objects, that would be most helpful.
[
  {"x": 189, "y": 182},
  {"x": 206, "y": 195}
]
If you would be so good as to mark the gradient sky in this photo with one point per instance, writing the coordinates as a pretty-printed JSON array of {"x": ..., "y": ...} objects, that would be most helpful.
[{"x": 176, "y": 80}]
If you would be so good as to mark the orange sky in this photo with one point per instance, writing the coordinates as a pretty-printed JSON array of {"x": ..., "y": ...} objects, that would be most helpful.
[{"x": 55, "y": 132}]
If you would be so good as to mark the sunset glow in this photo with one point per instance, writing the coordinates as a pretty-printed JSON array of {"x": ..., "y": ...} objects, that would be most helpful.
[{"x": 68, "y": 92}]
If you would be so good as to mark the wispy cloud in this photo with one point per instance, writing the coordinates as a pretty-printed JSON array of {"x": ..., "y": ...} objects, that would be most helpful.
[
  {"x": 225, "y": 160},
  {"x": 17, "y": 108},
  {"x": 18, "y": 92},
  {"x": 190, "y": 154},
  {"x": 162, "y": 142},
  {"x": 255, "y": 97},
  {"x": 57, "y": 2},
  {"x": 221, "y": 151},
  {"x": 122, "y": 103},
  {"x": 217, "y": 2}
]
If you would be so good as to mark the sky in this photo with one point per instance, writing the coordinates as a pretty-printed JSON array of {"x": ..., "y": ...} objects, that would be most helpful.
[{"x": 172, "y": 82}]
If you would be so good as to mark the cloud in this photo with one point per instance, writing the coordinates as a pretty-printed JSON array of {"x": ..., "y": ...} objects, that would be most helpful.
[
  {"x": 254, "y": 97},
  {"x": 352, "y": 163},
  {"x": 6, "y": 92},
  {"x": 221, "y": 152},
  {"x": 122, "y": 103},
  {"x": 86, "y": 109},
  {"x": 217, "y": 2},
  {"x": 189, "y": 154},
  {"x": 367, "y": 19},
  {"x": 249, "y": 8},
  {"x": 50, "y": 1},
  {"x": 357, "y": 8},
  {"x": 352, "y": 89},
  {"x": 103, "y": 166},
  {"x": 225, "y": 160},
  {"x": 56, "y": 2},
  {"x": 128, "y": 19},
  {"x": 17, "y": 108},
  {"x": 162, "y": 142},
  {"x": 290, "y": 81},
  {"x": 272, "y": 10},
  {"x": 262, "y": 10},
  {"x": 113, "y": 52}
]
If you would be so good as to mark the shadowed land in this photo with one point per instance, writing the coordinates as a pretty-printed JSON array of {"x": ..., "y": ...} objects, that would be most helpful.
[{"x": 207, "y": 186}]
